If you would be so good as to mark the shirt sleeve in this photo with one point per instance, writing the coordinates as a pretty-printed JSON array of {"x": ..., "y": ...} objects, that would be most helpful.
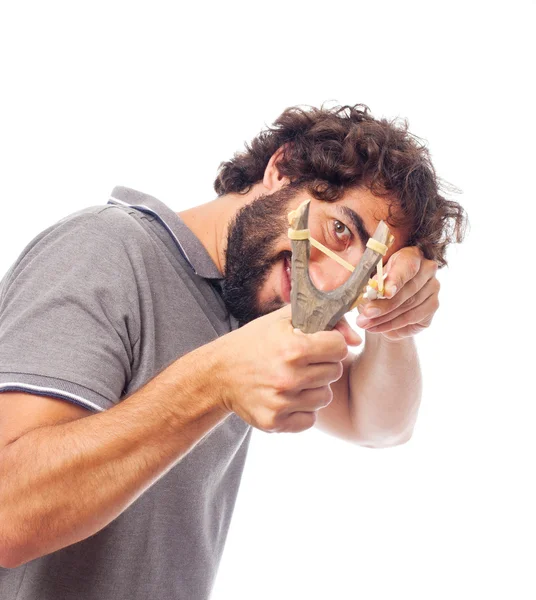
[{"x": 68, "y": 324}]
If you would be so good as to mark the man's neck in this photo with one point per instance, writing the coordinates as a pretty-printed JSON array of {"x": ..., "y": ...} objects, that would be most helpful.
[{"x": 210, "y": 221}]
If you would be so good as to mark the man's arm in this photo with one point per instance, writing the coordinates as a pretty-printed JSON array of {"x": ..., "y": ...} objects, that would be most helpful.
[
  {"x": 61, "y": 482},
  {"x": 377, "y": 398},
  {"x": 375, "y": 402}
]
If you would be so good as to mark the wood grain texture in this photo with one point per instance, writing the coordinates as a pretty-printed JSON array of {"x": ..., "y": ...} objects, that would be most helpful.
[{"x": 313, "y": 310}]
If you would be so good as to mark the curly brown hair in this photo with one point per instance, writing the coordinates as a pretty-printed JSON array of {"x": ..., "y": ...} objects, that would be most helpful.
[{"x": 328, "y": 150}]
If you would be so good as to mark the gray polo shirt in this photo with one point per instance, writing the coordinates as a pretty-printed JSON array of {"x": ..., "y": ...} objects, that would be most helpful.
[{"x": 94, "y": 307}]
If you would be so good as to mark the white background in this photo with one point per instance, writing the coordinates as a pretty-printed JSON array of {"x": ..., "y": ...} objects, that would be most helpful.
[{"x": 153, "y": 96}]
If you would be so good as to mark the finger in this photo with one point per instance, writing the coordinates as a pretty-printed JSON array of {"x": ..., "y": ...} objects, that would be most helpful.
[
  {"x": 378, "y": 308},
  {"x": 319, "y": 375},
  {"x": 319, "y": 347},
  {"x": 402, "y": 267},
  {"x": 422, "y": 314},
  {"x": 310, "y": 377},
  {"x": 282, "y": 313},
  {"x": 350, "y": 336},
  {"x": 431, "y": 287},
  {"x": 298, "y": 421},
  {"x": 362, "y": 303},
  {"x": 309, "y": 400},
  {"x": 382, "y": 309}
]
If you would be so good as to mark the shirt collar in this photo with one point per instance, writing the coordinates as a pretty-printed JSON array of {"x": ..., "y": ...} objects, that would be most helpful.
[{"x": 188, "y": 243}]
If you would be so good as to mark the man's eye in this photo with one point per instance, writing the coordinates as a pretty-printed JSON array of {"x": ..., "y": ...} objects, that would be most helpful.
[{"x": 342, "y": 233}]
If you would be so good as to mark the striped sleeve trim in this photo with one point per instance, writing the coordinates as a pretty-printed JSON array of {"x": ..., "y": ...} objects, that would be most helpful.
[{"x": 57, "y": 388}]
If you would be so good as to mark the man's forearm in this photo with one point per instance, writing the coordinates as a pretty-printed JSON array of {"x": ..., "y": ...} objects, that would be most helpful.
[
  {"x": 62, "y": 483},
  {"x": 385, "y": 390}
]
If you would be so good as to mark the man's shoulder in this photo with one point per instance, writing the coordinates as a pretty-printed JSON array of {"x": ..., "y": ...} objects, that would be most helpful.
[
  {"x": 109, "y": 218},
  {"x": 112, "y": 229}
]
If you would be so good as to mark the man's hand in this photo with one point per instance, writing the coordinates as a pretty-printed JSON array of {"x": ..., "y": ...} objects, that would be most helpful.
[
  {"x": 412, "y": 290},
  {"x": 275, "y": 377}
]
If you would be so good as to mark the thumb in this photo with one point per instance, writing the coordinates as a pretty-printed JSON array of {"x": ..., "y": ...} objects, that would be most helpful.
[
  {"x": 281, "y": 313},
  {"x": 285, "y": 312},
  {"x": 350, "y": 336}
]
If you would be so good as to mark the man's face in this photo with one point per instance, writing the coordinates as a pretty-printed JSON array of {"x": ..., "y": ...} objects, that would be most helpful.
[{"x": 258, "y": 253}]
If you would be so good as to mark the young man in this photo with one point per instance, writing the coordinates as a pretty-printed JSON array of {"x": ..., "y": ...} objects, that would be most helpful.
[{"x": 138, "y": 347}]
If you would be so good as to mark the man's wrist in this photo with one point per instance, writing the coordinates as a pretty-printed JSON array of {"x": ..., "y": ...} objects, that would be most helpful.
[
  {"x": 217, "y": 371},
  {"x": 195, "y": 386},
  {"x": 379, "y": 339},
  {"x": 397, "y": 341}
]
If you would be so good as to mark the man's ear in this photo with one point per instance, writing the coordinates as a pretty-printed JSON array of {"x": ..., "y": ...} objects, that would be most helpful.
[{"x": 272, "y": 179}]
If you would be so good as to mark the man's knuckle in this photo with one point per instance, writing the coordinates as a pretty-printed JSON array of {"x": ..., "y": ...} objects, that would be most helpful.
[
  {"x": 266, "y": 423},
  {"x": 310, "y": 419},
  {"x": 284, "y": 381},
  {"x": 306, "y": 422},
  {"x": 409, "y": 302},
  {"x": 327, "y": 395},
  {"x": 413, "y": 268},
  {"x": 342, "y": 350},
  {"x": 413, "y": 287},
  {"x": 404, "y": 320},
  {"x": 299, "y": 422},
  {"x": 293, "y": 351}
]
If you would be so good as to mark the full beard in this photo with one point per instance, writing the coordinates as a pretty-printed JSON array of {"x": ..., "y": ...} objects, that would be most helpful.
[{"x": 249, "y": 255}]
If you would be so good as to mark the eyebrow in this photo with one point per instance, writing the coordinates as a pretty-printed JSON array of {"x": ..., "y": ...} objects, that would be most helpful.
[{"x": 357, "y": 222}]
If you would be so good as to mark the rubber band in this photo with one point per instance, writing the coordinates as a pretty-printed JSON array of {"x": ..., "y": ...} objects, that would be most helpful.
[
  {"x": 332, "y": 255},
  {"x": 379, "y": 268},
  {"x": 291, "y": 216},
  {"x": 377, "y": 246},
  {"x": 294, "y": 213},
  {"x": 374, "y": 245},
  {"x": 299, "y": 234},
  {"x": 305, "y": 234}
]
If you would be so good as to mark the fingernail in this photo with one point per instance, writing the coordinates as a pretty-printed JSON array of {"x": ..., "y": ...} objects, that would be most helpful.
[
  {"x": 373, "y": 312},
  {"x": 391, "y": 290}
]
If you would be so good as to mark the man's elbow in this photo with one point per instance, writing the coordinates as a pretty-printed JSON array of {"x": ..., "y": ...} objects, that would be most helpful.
[
  {"x": 10, "y": 558},
  {"x": 12, "y": 555},
  {"x": 7, "y": 563},
  {"x": 385, "y": 439}
]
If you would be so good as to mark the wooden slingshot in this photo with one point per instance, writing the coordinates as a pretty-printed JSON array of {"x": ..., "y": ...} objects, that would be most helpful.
[{"x": 313, "y": 310}]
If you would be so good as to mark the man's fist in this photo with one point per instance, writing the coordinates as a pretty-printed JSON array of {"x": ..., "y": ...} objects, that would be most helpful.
[{"x": 276, "y": 377}]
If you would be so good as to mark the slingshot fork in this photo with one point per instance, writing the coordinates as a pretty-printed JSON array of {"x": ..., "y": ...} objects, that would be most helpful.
[{"x": 313, "y": 310}]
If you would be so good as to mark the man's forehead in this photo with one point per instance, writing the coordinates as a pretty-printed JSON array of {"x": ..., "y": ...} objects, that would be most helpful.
[{"x": 362, "y": 200}]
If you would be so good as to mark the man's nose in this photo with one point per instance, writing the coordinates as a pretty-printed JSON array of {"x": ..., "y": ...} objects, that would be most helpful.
[{"x": 325, "y": 273}]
